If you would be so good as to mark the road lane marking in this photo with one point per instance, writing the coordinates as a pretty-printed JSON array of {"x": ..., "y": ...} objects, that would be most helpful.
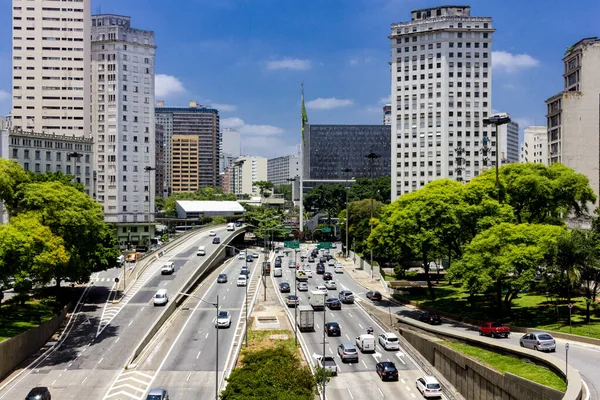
[
  {"x": 380, "y": 392},
  {"x": 350, "y": 393},
  {"x": 130, "y": 322},
  {"x": 331, "y": 351},
  {"x": 188, "y": 377},
  {"x": 403, "y": 380},
  {"x": 142, "y": 309},
  {"x": 198, "y": 354},
  {"x": 413, "y": 396},
  {"x": 100, "y": 360},
  {"x": 361, "y": 327},
  {"x": 363, "y": 361},
  {"x": 407, "y": 388},
  {"x": 207, "y": 334},
  {"x": 70, "y": 364},
  {"x": 347, "y": 336},
  {"x": 84, "y": 380},
  {"x": 117, "y": 339},
  {"x": 52, "y": 384}
]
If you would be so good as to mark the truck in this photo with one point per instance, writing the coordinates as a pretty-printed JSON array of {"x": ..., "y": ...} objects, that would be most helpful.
[
  {"x": 366, "y": 343},
  {"x": 317, "y": 299},
  {"x": 494, "y": 329},
  {"x": 306, "y": 319}
]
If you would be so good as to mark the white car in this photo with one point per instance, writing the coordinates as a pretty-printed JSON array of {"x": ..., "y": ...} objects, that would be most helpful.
[
  {"x": 338, "y": 269},
  {"x": 242, "y": 255},
  {"x": 212, "y": 233},
  {"x": 241, "y": 281},
  {"x": 322, "y": 288},
  {"x": 389, "y": 341},
  {"x": 168, "y": 268},
  {"x": 429, "y": 386},
  {"x": 308, "y": 271},
  {"x": 160, "y": 298},
  {"x": 223, "y": 320},
  {"x": 330, "y": 285},
  {"x": 331, "y": 262},
  {"x": 254, "y": 255}
]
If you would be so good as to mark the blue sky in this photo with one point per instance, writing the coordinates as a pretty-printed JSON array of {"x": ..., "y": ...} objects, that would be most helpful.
[{"x": 248, "y": 57}]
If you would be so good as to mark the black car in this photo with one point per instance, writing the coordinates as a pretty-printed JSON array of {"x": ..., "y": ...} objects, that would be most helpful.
[
  {"x": 327, "y": 276},
  {"x": 334, "y": 304},
  {"x": 430, "y": 318},
  {"x": 329, "y": 257},
  {"x": 249, "y": 258},
  {"x": 277, "y": 263},
  {"x": 284, "y": 287},
  {"x": 387, "y": 371},
  {"x": 216, "y": 240},
  {"x": 322, "y": 260},
  {"x": 320, "y": 269},
  {"x": 245, "y": 271},
  {"x": 222, "y": 278},
  {"x": 238, "y": 223},
  {"x": 39, "y": 393},
  {"x": 373, "y": 295},
  {"x": 333, "y": 329},
  {"x": 311, "y": 259}
]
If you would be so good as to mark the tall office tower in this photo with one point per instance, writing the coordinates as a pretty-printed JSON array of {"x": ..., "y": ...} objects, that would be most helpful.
[
  {"x": 51, "y": 66},
  {"x": 441, "y": 91},
  {"x": 509, "y": 142},
  {"x": 123, "y": 124},
  {"x": 230, "y": 148},
  {"x": 574, "y": 114},
  {"x": 387, "y": 114},
  {"x": 280, "y": 169},
  {"x": 534, "y": 147},
  {"x": 189, "y": 169}
]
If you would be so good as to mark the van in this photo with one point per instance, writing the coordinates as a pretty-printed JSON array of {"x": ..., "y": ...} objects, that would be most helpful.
[
  {"x": 160, "y": 298},
  {"x": 231, "y": 226},
  {"x": 277, "y": 272},
  {"x": 201, "y": 251},
  {"x": 366, "y": 343}
]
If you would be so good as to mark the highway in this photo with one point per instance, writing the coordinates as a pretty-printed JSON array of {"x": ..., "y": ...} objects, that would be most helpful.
[
  {"x": 356, "y": 380},
  {"x": 103, "y": 335}
]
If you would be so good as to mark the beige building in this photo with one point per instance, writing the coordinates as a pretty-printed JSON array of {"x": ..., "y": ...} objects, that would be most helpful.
[
  {"x": 246, "y": 171},
  {"x": 534, "y": 147},
  {"x": 185, "y": 163},
  {"x": 51, "y": 59},
  {"x": 573, "y": 115}
]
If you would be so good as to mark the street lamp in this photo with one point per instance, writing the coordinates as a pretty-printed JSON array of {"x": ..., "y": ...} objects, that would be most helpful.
[
  {"x": 497, "y": 120},
  {"x": 296, "y": 251},
  {"x": 149, "y": 169},
  {"x": 372, "y": 157},
  {"x": 324, "y": 341},
  {"x": 75, "y": 156},
  {"x": 265, "y": 252},
  {"x": 216, "y": 305},
  {"x": 347, "y": 171}
]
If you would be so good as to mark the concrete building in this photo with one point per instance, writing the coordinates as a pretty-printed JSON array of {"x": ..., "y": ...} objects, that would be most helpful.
[
  {"x": 45, "y": 152},
  {"x": 328, "y": 149},
  {"x": 185, "y": 163},
  {"x": 159, "y": 159},
  {"x": 387, "y": 114},
  {"x": 509, "y": 142},
  {"x": 573, "y": 115},
  {"x": 280, "y": 169},
  {"x": 441, "y": 91},
  {"x": 123, "y": 124},
  {"x": 51, "y": 66},
  {"x": 3, "y": 154},
  {"x": 246, "y": 171},
  {"x": 230, "y": 148},
  {"x": 534, "y": 147},
  {"x": 202, "y": 124}
]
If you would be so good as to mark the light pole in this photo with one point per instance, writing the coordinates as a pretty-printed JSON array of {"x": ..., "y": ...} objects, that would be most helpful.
[
  {"x": 264, "y": 277},
  {"x": 75, "y": 156},
  {"x": 149, "y": 169},
  {"x": 372, "y": 157},
  {"x": 324, "y": 340},
  {"x": 497, "y": 120},
  {"x": 296, "y": 251},
  {"x": 216, "y": 305},
  {"x": 347, "y": 171}
]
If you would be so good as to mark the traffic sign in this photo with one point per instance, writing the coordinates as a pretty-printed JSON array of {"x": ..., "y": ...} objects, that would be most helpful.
[
  {"x": 326, "y": 230},
  {"x": 324, "y": 245},
  {"x": 287, "y": 229},
  {"x": 292, "y": 245}
]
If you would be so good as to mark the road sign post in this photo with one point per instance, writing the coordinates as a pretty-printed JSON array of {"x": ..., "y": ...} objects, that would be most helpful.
[
  {"x": 326, "y": 230},
  {"x": 570, "y": 309},
  {"x": 567, "y": 362},
  {"x": 292, "y": 245}
]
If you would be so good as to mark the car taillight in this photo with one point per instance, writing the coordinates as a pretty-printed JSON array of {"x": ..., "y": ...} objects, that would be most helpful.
[
  {"x": 538, "y": 342},
  {"x": 383, "y": 373},
  {"x": 346, "y": 353},
  {"x": 427, "y": 390}
]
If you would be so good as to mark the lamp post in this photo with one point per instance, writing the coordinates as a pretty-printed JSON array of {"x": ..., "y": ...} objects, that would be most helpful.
[
  {"x": 347, "y": 171},
  {"x": 149, "y": 169},
  {"x": 75, "y": 156},
  {"x": 497, "y": 120},
  {"x": 296, "y": 251},
  {"x": 324, "y": 341},
  {"x": 372, "y": 157},
  {"x": 216, "y": 305},
  {"x": 265, "y": 253}
]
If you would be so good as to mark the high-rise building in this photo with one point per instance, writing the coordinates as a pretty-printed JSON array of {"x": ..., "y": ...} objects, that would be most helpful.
[
  {"x": 123, "y": 124},
  {"x": 201, "y": 124},
  {"x": 441, "y": 92},
  {"x": 160, "y": 172},
  {"x": 573, "y": 115},
  {"x": 50, "y": 64},
  {"x": 509, "y": 142},
  {"x": 387, "y": 114},
  {"x": 247, "y": 170},
  {"x": 280, "y": 169},
  {"x": 534, "y": 147},
  {"x": 230, "y": 148},
  {"x": 3, "y": 154}
]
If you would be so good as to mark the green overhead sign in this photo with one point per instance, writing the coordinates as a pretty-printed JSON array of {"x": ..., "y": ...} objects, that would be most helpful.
[
  {"x": 326, "y": 230},
  {"x": 324, "y": 245},
  {"x": 292, "y": 245}
]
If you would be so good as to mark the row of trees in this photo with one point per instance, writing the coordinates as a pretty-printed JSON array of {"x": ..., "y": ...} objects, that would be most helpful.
[
  {"x": 55, "y": 230},
  {"x": 499, "y": 246}
]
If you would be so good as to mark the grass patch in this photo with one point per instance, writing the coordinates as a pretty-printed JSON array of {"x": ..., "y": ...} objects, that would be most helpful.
[
  {"x": 261, "y": 339},
  {"x": 16, "y": 318},
  {"x": 502, "y": 363}
]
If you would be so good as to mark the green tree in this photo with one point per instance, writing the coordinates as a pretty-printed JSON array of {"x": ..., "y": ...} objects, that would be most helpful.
[
  {"x": 505, "y": 259},
  {"x": 365, "y": 188},
  {"x": 12, "y": 176},
  {"x": 285, "y": 190},
  {"x": 264, "y": 187},
  {"x": 328, "y": 199},
  {"x": 57, "y": 176},
  {"x": 360, "y": 215}
]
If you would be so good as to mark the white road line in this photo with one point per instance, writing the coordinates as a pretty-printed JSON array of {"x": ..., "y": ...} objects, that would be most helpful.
[
  {"x": 84, "y": 380},
  {"x": 403, "y": 380},
  {"x": 350, "y": 393},
  {"x": 347, "y": 336},
  {"x": 117, "y": 339},
  {"x": 70, "y": 364},
  {"x": 407, "y": 388},
  {"x": 188, "y": 377},
  {"x": 100, "y": 360},
  {"x": 130, "y": 322},
  {"x": 413, "y": 396},
  {"x": 207, "y": 333},
  {"x": 142, "y": 309},
  {"x": 363, "y": 361},
  {"x": 198, "y": 354},
  {"x": 52, "y": 384},
  {"x": 361, "y": 327},
  {"x": 380, "y": 392},
  {"x": 331, "y": 351}
]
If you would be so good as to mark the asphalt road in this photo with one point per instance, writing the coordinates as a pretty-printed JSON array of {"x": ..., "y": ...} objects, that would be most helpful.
[
  {"x": 104, "y": 335},
  {"x": 356, "y": 380}
]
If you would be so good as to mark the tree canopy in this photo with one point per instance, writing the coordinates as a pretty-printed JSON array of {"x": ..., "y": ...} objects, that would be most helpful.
[
  {"x": 378, "y": 188},
  {"x": 264, "y": 187}
]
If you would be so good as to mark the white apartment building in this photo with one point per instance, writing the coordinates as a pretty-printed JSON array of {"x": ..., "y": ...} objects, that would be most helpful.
[
  {"x": 3, "y": 154},
  {"x": 573, "y": 115},
  {"x": 534, "y": 147},
  {"x": 441, "y": 92},
  {"x": 123, "y": 124},
  {"x": 509, "y": 142},
  {"x": 247, "y": 171},
  {"x": 51, "y": 59},
  {"x": 280, "y": 169}
]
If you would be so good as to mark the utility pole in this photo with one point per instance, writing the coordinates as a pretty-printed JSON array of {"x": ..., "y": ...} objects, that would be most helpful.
[
  {"x": 372, "y": 157},
  {"x": 497, "y": 120},
  {"x": 347, "y": 171}
]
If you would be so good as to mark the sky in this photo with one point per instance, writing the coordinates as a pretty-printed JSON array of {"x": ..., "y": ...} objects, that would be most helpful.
[{"x": 248, "y": 58}]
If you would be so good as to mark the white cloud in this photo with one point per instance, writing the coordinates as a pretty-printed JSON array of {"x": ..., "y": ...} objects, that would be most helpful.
[
  {"x": 289, "y": 63},
  {"x": 360, "y": 60},
  {"x": 270, "y": 147},
  {"x": 4, "y": 95},
  {"x": 224, "y": 107},
  {"x": 248, "y": 129},
  {"x": 385, "y": 100},
  {"x": 524, "y": 122},
  {"x": 328, "y": 104},
  {"x": 167, "y": 85},
  {"x": 510, "y": 63}
]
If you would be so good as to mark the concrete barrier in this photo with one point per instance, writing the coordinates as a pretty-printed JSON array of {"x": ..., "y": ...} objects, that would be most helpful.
[
  {"x": 476, "y": 381},
  {"x": 17, "y": 349},
  {"x": 204, "y": 269}
]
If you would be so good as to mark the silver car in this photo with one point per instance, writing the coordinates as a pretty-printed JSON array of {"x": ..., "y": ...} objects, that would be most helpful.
[
  {"x": 348, "y": 352},
  {"x": 541, "y": 341},
  {"x": 158, "y": 394}
]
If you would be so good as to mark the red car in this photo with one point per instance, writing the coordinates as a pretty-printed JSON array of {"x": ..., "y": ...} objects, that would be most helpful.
[{"x": 494, "y": 329}]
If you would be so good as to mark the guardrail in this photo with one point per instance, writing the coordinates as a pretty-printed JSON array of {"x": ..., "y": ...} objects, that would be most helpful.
[{"x": 203, "y": 269}]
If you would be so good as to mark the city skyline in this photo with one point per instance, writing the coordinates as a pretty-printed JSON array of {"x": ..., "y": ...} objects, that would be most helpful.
[{"x": 254, "y": 79}]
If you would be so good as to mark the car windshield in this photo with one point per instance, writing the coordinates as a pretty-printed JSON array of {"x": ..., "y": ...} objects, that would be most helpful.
[
  {"x": 496, "y": 325},
  {"x": 433, "y": 386},
  {"x": 392, "y": 339},
  {"x": 544, "y": 336},
  {"x": 222, "y": 314},
  {"x": 159, "y": 296}
]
